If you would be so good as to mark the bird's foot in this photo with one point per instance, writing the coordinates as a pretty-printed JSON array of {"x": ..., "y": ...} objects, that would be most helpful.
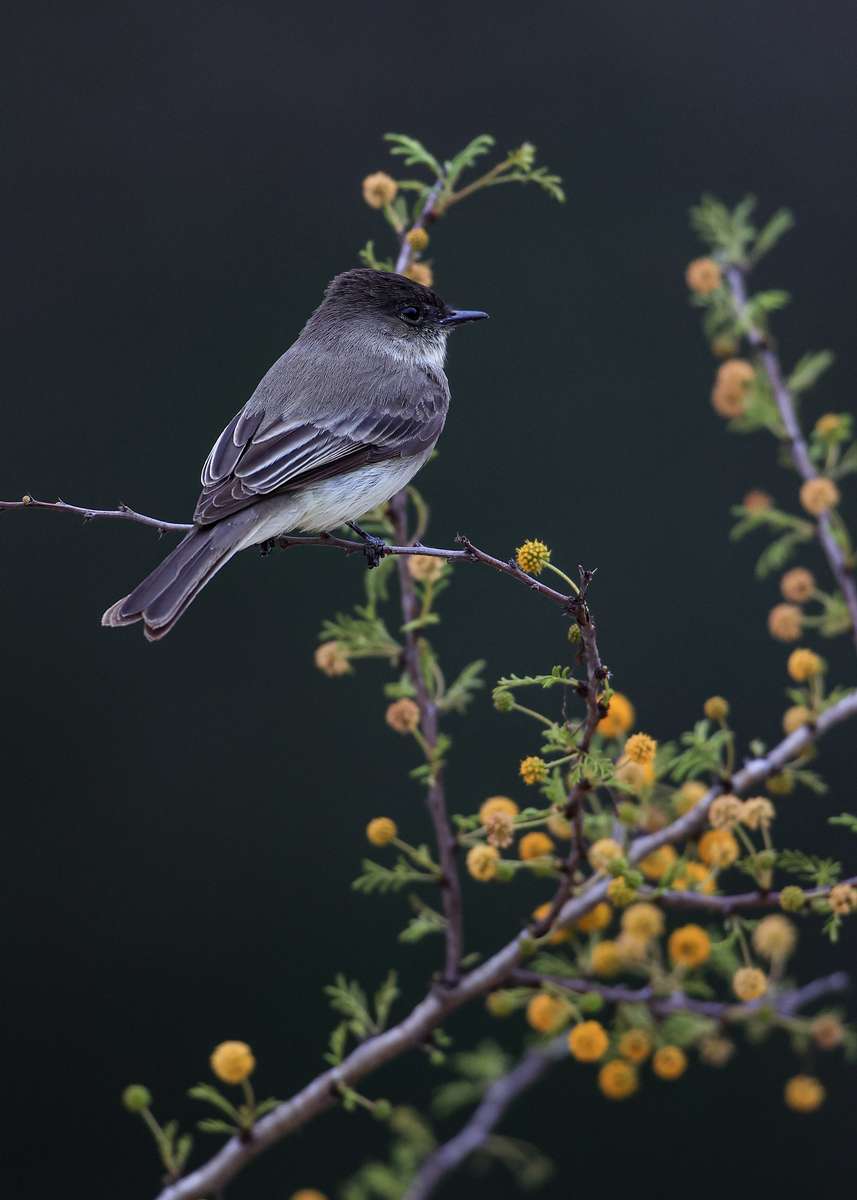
[
  {"x": 374, "y": 547},
  {"x": 267, "y": 546}
]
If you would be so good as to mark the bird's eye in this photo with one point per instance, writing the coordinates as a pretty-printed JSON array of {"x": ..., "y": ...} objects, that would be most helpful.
[{"x": 410, "y": 314}]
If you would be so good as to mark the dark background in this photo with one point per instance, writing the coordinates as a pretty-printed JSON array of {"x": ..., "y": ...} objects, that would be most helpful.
[{"x": 182, "y": 821}]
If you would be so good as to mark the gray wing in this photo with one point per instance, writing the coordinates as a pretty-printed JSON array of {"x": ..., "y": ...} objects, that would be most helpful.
[{"x": 301, "y": 426}]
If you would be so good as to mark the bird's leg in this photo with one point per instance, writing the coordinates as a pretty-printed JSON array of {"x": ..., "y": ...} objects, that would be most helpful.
[
  {"x": 374, "y": 548},
  {"x": 267, "y": 546}
]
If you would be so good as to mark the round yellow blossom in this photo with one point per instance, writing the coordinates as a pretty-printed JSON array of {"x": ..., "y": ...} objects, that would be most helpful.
[
  {"x": 500, "y": 830},
  {"x": 796, "y": 716},
  {"x": 716, "y": 1051},
  {"x": 535, "y": 845},
  {"x": 379, "y": 189},
  {"x": 703, "y": 275},
  {"x": 688, "y": 796},
  {"x": 603, "y": 852},
  {"x": 730, "y": 387},
  {"x": 632, "y": 948},
  {"x": 655, "y": 865},
  {"x": 403, "y": 715},
  {"x": 792, "y": 898},
  {"x": 495, "y": 804},
  {"x": 598, "y": 918},
  {"x": 716, "y": 708},
  {"x": 533, "y": 769},
  {"x": 828, "y": 425},
  {"x": 757, "y": 813},
  {"x": 785, "y": 622},
  {"x": 425, "y": 568},
  {"x": 725, "y": 812},
  {"x": 718, "y": 848},
  {"x": 727, "y": 400},
  {"x": 643, "y": 920},
  {"x": 420, "y": 273},
  {"x": 556, "y": 935},
  {"x": 774, "y": 937},
  {"x": 606, "y": 959},
  {"x": 827, "y": 1031},
  {"x": 588, "y": 1041},
  {"x": 617, "y": 1079},
  {"x": 232, "y": 1062},
  {"x": 689, "y": 946},
  {"x": 842, "y": 899},
  {"x": 381, "y": 830},
  {"x": 620, "y": 716},
  {"x": 803, "y": 665},
  {"x": 635, "y": 1045},
  {"x": 749, "y": 983},
  {"x": 482, "y": 862},
  {"x": 332, "y": 659},
  {"x": 559, "y": 825},
  {"x": 804, "y": 1093},
  {"x": 533, "y": 556},
  {"x": 547, "y": 1014},
  {"x": 669, "y": 1062},
  {"x": 694, "y": 877},
  {"x": 819, "y": 495},
  {"x": 634, "y": 775},
  {"x": 735, "y": 372},
  {"x": 798, "y": 585},
  {"x": 640, "y": 748},
  {"x": 757, "y": 500},
  {"x": 620, "y": 893},
  {"x": 308, "y": 1194},
  {"x": 417, "y": 239}
]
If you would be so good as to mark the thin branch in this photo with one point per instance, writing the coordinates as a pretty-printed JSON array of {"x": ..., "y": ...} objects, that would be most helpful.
[
  {"x": 427, "y": 215},
  {"x": 799, "y": 449},
  {"x": 121, "y": 513},
  {"x": 323, "y": 1091},
  {"x": 729, "y": 904}
]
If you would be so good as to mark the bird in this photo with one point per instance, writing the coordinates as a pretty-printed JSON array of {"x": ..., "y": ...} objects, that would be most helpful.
[{"x": 340, "y": 423}]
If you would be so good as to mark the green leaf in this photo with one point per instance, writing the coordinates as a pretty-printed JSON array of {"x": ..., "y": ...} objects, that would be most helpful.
[
  {"x": 425, "y": 921},
  {"x": 212, "y": 1125},
  {"x": 848, "y": 820},
  {"x": 467, "y": 157},
  {"x": 336, "y": 1044},
  {"x": 809, "y": 370},
  {"x": 183, "y": 1149},
  {"x": 369, "y": 259},
  {"x": 460, "y": 693},
  {"x": 413, "y": 152},
  {"x": 685, "y": 1028},
  {"x": 266, "y": 1106},
  {"x": 820, "y": 871},
  {"x": 385, "y": 997},
  {"x": 780, "y": 223},
  {"x": 210, "y": 1095}
]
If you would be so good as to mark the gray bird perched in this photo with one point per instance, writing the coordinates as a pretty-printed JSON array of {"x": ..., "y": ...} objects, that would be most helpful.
[{"x": 338, "y": 425}]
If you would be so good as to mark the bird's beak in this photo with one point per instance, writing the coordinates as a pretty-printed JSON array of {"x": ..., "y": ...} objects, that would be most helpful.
[{"x": 460, "y": 316}]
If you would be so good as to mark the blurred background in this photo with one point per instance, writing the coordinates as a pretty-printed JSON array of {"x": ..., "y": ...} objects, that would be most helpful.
[{"x": 183, "y": 820}]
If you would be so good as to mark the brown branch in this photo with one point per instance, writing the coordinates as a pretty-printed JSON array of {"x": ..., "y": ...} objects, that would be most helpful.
[
  {"x": 427, "y": 215},
  {"x": 729, "y": 904},
  {"x": 799, "y": 448},
  {"x": 121, "y": 513}
]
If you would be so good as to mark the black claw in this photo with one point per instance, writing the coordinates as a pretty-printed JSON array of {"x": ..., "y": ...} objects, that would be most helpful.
[{"x": 374, "y": 547}]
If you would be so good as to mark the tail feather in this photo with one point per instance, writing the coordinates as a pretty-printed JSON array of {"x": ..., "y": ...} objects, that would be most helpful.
[{"x": 164, "y": 595}]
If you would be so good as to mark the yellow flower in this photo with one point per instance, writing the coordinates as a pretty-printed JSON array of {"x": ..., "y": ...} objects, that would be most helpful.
[
  {"x": 635, "y": 1045},
  {"x": 827, "y": 1031},
  {"x": 718, "y": 848},
  {"x": 232, "y": 1062},
  {"x": 381, "y": 830},
  {"x": 828, "y": 426},
  {"x": 533, "y": 556},
  {"x": 500, "y": 828},
  {"x": 588, "y": 1041},
  {"x": 425, "y": 568},
  {"x": 556, "y": 935},
  {"x": 785, "y": 622},
  {"x": 482, "y": 862},
  {"x": 596, "y": 919},
  {"x": 689, "y": 946},
  {"x": 603, "y": 852},
  {"x": 730, "y": 387},
  {"x": 640, "y": 748},
  {"x": 417, "y": 239},
  {"x": 842, "y": 899},
  {"x": 420, "y": 273},
  {"x": 716, "y": 708},
  {"x": 757, "y": 500},
  {"x": 606, "y": 959},
  {"x": 735, "y": 372},
  {"x": 749, "y": 983},
  {"x": 535, "y": 845},
  {"x": 688, "y": 796},
  {"x": 727, "y": 400},
  {"x": 495, "y": 804},
  {"x": 725, "y": 812},
  {"x": 547, "y": 1014},
  {"x": 632, "y": 948},
  {"x": 804, "y": 1093},
  {"x": 669, "y": 1062},
  {"x": 643, "y": 920},
  {"x": 620, "y": 893},
  {"x": 379, "y": 189},
  {"x": 703, "y": 276},
  {"x": 798, "y": 585},
  {"x": 619, "y": 718},
  {"x": 819, "y": 495},
  {"x": 796, "y": 716},
  {"x": 634, "y": 775},
  {"x": 559, "y": 825},
  {"x": 774, "y": 937},
  {"x": 617, "y": 1079},
  {"x": 332, "y": 659},
  {"x": 403, "y": 715},
  {"x": 757, "y": 813},
  {"x": 803, "y": 665},
  {"x": 655, "y": 865},
  {"x": 533, "y": 769},
  {"x": 694, "y": 877}
]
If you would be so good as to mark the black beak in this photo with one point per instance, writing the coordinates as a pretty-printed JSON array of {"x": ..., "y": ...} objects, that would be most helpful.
[{"x": 460, "y": 316}]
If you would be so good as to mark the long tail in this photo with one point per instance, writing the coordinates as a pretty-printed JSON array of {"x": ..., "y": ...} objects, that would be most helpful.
[{"x": 161, "y": 599}]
